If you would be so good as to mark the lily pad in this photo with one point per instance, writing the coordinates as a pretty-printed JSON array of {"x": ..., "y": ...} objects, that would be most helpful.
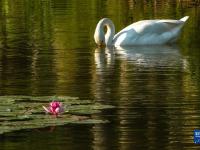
[{"x": 26, "y": 112}]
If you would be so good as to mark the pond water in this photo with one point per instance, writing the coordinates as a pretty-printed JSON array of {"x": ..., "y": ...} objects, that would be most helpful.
[{"x": 47, "y": 48}]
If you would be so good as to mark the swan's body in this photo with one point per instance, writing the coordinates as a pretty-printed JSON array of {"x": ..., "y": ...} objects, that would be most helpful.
[{"x": 145, "y": 32}]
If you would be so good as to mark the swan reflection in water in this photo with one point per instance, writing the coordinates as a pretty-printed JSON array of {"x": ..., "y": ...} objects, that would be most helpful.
[
  {"x": 119, "y": 66},
  {"x": 143, "y": 56},
  {"x": 141, "y": 77},
  {"x": 104, "y": 57}
]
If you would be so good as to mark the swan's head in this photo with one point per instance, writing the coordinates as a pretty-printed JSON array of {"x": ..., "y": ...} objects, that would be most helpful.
[{"x": 102, "y": 37}]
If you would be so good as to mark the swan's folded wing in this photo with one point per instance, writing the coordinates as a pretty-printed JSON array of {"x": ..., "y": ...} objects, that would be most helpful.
[
  {"x": 149, "y": 31},
  {"x": 171, "y": 25},
  {"x": 182, "y": 20},
  {"x": 170, "y": 21},
  {"x": 151, "y": 27}
]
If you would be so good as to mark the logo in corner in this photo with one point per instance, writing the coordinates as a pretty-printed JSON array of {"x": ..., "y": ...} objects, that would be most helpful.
[{"x": 197, "y": 136}]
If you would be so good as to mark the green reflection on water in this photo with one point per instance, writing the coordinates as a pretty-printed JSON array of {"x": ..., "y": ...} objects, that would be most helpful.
[{"x": 47, "y": 48}]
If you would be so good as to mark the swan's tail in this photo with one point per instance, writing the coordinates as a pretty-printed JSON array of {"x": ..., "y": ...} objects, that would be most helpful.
[{"x": 184, "y": 19}]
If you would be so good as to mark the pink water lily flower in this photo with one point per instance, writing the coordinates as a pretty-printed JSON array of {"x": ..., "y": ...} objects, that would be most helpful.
[{"x": 54, "y": 108}]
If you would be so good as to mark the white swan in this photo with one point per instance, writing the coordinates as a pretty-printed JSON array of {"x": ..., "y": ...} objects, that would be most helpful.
[{"x": 145, "y": 32}]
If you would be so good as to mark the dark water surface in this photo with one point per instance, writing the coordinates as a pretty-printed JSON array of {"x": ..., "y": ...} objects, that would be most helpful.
[{"x": 47, "y": 48}]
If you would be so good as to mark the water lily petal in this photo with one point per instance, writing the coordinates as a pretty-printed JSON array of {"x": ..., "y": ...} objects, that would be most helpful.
[
  {"x": 57, "y": 110},
  {"x": 46, "y": 109}
]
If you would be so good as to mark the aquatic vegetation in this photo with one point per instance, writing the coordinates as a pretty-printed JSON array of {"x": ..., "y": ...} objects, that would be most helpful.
[{"x": 26, "y": 112}]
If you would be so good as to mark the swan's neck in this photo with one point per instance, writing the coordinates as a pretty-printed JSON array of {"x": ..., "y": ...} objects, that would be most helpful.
[
  {"x": 110, "y": 32},
  {"x": 100, "y": 36}
]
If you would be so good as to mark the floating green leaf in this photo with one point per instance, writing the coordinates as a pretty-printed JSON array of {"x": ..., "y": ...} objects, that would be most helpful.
[{"x": 26, "y": 112}]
